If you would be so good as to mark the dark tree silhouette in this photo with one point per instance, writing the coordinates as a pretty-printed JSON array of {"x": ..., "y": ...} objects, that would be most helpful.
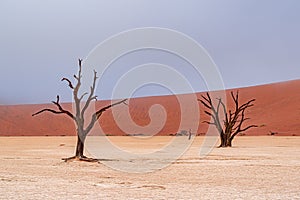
[
  {"x": 80, "y": 109},
  {"x": 231, "y": 126}
]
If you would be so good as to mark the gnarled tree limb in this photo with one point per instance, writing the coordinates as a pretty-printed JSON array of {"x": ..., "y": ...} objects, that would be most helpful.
[
  {"x": 98, "y": 113},
  {"x": 79, "y": 116},
  {"x": 60, "y": 108},
  {"x": 232, "y": 124}
]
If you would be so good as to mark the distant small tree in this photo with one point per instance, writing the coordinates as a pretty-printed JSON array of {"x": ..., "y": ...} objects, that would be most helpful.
[
  {"x": 231, "y": 126},
  {"x": 79, "y": 116}
]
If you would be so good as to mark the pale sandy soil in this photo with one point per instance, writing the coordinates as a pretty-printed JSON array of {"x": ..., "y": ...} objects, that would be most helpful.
[{"x": 258, "y": 167}]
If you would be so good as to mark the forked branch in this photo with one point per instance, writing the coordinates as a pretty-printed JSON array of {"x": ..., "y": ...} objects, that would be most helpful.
[
  {"x": 61, "y": 110},
  {"x": 79, "y": 116},
  {"x": 91, "y": 96},
  {"x": 233, "y": 120}
]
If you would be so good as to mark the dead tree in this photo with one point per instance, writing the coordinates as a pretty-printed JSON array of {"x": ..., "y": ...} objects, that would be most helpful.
[
  {"x": 231, "y": 126},
  {"x": 80, "y": 109}
]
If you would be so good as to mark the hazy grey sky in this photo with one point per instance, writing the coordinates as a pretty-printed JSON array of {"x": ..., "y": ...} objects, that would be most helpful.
[{"x": 251, "y": 41}]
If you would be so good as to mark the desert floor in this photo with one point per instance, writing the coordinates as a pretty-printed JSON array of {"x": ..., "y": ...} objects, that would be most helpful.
[{"x": 257, "y": 167}]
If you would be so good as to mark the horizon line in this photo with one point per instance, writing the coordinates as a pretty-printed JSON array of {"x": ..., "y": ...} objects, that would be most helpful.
[{"x": 163, "y": 95}]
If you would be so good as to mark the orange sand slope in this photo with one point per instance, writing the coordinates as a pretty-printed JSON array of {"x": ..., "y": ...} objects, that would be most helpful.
[{"x": 277, "y": 110}]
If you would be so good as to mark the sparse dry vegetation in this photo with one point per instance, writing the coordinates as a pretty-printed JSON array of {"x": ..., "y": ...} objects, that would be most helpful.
[{"x": 79, "y": 116}]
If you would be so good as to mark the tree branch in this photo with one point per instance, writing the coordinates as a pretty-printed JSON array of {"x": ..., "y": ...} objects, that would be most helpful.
[
  {"x": 251, "y": 126},
  {"x": 224, "y": 110},
  {"x": 70, "y": 83},
  {"x": 91, "y": 96},
  {"x": 208, "y": 99},
  {"x": 76, "y": 89},
  {"x": 239, "y": 129},
  {"x": 98, "y": 113},
  {"x": 210, "y": 123},
  {"x": 61, "y": 110},
  {"x": 205, "y": 104},
  {"x": 233, "y": 119},
  {"x": 208, "y": 113},
  {"x": 49, "y": 110},
  {"x": 81, "y": 97}
]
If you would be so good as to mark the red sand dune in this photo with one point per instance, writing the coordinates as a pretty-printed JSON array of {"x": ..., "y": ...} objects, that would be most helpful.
[{"x": 277, "y": 109}]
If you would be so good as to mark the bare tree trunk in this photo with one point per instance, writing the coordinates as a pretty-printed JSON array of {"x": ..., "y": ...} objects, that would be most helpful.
[
  {"x": 190, "y": 134},
  {"x": 229, "y": 143},
  {"x": 79, "y": 115},
  {"x": 79, "y": 147},
  {"x": 222, "y": 144},
  {"x": 226, "y": 140},
  {"x": 232, "y": 120}
]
